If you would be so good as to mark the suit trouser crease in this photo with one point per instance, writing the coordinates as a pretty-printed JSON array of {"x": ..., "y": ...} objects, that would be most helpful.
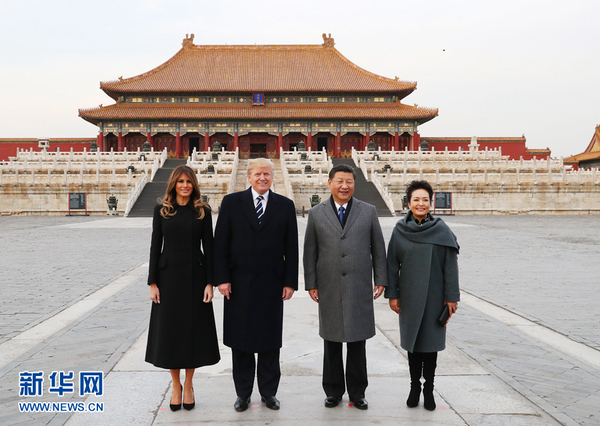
[
  {"x": 356, "y": 369},
  {"x": 268, "y": 372}
]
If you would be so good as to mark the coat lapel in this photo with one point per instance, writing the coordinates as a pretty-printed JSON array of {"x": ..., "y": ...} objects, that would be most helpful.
[
  {"x": 354, "y": 213},
  {"x": 247, "y": 206},
  {"x": 333, "y": 218}
]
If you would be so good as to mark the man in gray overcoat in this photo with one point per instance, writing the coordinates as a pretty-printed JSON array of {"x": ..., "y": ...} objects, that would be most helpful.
[{"x": 343, "y": 246}]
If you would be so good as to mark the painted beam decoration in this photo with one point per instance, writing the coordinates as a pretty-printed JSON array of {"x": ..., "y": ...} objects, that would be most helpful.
[{"x": 257, "y": 127}]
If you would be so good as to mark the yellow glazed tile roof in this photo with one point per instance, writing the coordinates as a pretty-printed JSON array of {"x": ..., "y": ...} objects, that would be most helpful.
[
  {"x": 258, "y": 68},
  {"x": 120, "y": 111}
]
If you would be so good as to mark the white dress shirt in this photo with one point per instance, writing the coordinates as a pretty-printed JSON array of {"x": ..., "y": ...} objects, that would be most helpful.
[{"x": 264, "y": 202}]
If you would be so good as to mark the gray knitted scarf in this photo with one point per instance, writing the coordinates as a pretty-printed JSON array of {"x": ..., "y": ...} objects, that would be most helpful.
[{"x": 434, "y": 231}]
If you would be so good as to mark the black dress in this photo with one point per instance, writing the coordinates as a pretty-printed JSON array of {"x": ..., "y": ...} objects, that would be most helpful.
[{"x": 182, "y": 331}]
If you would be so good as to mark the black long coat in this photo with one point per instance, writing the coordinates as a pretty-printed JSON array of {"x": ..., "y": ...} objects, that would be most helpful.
[
  {"x": 182, "y": 331},
  {"x": 258, "y": 260}
]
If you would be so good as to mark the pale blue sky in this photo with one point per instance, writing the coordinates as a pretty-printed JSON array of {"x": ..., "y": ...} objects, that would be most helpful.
[{"x": 493, "y": 68}]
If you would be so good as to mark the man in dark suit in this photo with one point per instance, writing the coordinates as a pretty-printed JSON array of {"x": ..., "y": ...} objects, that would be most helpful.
[
  {"x": 256, "y": 268},
  {"x": 343, "y": 249}
]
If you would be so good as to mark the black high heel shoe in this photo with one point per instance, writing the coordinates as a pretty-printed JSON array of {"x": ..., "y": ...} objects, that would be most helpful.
[
  {"x": 189, "y": 406},
  {"x": 175, "y": 407}
]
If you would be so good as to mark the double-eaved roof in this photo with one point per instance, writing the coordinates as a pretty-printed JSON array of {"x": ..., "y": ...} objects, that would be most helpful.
[
  {"x": 268, "y": 69},
  {"x": 590, "y": 155}
]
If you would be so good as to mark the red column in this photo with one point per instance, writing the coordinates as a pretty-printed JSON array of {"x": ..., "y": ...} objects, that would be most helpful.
[
  {"x": 309, "y": 141},
  {"x": 396, "y": 142},
  {"x": 149, "y": 139},
  {"x": 279, "y": 143},
  {"x": 366, "y": 141},
  {"x": 236, "y": 140},
  {"x": 178, "y": 147},
  {"x": 337, "y": 151},
  {"x": 121, "y": 144},
  {"x": 417, "y": 141},
  {"x": 100, "y": 142},
  {"x": 206, "y": 141}
]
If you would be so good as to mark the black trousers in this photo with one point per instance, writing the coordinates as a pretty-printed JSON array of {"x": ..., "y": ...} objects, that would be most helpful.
[
  {"x": 356, "y": 369},
  {"x": 268, "y": 372}
]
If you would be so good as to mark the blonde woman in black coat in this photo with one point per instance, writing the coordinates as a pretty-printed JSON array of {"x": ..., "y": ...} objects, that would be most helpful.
[
  {"x": 182, "y": 333},
  {"x": 422, "y": 283}
]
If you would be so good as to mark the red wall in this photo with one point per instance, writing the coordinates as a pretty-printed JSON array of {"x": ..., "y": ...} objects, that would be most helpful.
[
  {"x": 515, "y": 150},
  {"x": 9, "y": 149}
]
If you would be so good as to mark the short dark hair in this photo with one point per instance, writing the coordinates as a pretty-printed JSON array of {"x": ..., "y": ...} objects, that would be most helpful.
[
  {"x": 418, "y": 184},
  {"x": 344, "y": 168}
]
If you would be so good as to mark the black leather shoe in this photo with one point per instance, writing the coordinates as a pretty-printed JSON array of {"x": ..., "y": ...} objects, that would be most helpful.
[
  {"x": 175, "y": 407},
  {"x": 189, "y": 406},
  {"x": 271, "y": 401},
  {"x": 360, "y": 403},
  {"x": 332, "y": 401},
  {"x": 241, "y": 404}
]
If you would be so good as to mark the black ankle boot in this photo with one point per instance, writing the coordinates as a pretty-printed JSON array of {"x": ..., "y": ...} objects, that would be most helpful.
[
  {"x": 428, "y": 399},
  {"x": 415, "y": 366},
  {"x": 414, "y": 395},
  {"x": 429, "y": 365}
]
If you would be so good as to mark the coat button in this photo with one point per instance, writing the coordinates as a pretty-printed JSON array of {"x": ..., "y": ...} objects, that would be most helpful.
[
  {"x": 344, "y": 255},
  {"x": 344, "y": 274}
]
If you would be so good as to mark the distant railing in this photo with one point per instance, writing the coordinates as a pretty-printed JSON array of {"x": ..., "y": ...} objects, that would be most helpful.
[
  {"x": 234, "y": 171},
  {"x": 286, "y": 178},
  {"x": 135, "y": 193},
  {"x": 383, "y": 192}
]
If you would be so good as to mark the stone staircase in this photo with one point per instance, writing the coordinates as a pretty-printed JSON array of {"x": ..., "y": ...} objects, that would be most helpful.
[
  {"x": 144, "y": 206},
  {"x": 365, "y": 191},
  {"x": 241, "y": 181},
  {"x": 278, "y": 185}
]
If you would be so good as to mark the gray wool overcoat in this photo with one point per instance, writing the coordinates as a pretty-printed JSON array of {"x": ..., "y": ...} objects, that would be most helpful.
[
  {"x": 422, "y": 276},
  {"x": 340, "y": 264}
]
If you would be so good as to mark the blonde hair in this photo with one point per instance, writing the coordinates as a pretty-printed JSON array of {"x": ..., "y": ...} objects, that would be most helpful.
[
  {"x": 260, "y": 162},
  {"x": 170, "y": 197}
]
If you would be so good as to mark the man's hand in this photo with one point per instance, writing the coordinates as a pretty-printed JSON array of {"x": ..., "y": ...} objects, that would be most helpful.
[
  {"x": 378, "y": 291},
  {"x": 208, "y": 293},
  {"x": 288, "y": 292},
  {"x": 225, "y": 289},
  {"x": 314, "y": 294},
  {"x": 395, "y": 305},
  {"x": 154, "y": 293}
]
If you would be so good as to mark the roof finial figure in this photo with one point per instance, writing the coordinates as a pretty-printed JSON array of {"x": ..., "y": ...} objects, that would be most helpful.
[
  {"x": 328, "y": 41},
  {"x": 188, "y": 41}
]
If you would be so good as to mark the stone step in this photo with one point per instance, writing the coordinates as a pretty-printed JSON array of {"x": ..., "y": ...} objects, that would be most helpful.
[
  {"x": 144, "y": 206},
  {"x": 365, "y": 191}
]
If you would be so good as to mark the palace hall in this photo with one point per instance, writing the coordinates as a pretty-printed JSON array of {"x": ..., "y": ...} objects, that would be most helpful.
[{"x": 258, "y": 98}]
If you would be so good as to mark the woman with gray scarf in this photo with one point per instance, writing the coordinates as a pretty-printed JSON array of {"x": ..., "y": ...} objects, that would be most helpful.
[{"x": 422, "y": 284}]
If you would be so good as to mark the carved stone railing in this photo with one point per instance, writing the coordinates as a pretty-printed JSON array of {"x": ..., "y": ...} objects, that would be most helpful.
[
  {"x": 387, "y": 198},
  {"x": 286, "y": 178},
  {"x": 135, "y": 193},
  {"x": 234, "y": 171}
]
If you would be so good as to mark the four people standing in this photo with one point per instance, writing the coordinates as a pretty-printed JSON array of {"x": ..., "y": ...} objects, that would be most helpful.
[
  {"x": 343, "y": 246},
  {"x": 256, "y": 268}
]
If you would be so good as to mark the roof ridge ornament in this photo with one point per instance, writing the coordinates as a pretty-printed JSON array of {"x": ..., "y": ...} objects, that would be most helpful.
[
  {"x": 188, "y": 41},
  {"x": 328, "y": 41}
]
